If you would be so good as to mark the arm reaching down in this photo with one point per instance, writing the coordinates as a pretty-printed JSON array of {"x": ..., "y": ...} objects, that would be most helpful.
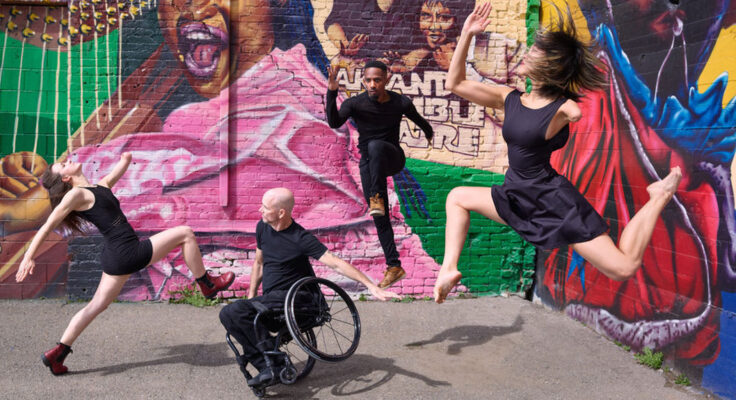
[
  {"x": 344, "y": 268},
  {"x": 72, "y": 201},
  {"x": 256, "y": 274}
]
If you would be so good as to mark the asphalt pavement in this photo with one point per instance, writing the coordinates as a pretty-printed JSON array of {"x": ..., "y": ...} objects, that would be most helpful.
[{"x": 482, "y": 348}]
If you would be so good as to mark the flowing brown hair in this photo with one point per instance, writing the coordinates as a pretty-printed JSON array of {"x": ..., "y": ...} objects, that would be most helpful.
[
  {"x": 57, "y": 188},
  {"x": 568, "y": 64}
]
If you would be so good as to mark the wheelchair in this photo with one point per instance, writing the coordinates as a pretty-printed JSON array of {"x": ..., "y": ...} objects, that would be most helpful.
[{"x": 326, "y": 328}]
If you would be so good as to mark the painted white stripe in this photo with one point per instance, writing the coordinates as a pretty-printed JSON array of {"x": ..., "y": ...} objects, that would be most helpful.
[
  {"x": 69, "y": 145},
  {"x": 56, "y": 93},
  {"x": 40, "y": 92},
  {"x": 107, "y": 64},
  {"x": 20, "y": 76}
]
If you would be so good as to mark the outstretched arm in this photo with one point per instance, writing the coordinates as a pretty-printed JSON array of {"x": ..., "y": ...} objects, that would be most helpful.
[
  {"x": 117, "y": 172},
  {"x": 72, "y": 201},
  {"x": 256, "y": 274},
  {"x": 335, "y": 117},
  {"x": 344, "y": 268},
  {"x": 479, "y": 93},
  {"x": 414, "y": 116}
]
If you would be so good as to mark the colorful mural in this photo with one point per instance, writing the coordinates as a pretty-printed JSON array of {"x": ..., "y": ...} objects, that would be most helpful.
[
  {"x": 219, "y": 101},
  {"x": 657, "y": 113}
]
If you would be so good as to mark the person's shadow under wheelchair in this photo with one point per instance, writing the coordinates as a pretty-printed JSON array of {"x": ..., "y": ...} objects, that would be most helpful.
[{"x": 362, "y": 373}]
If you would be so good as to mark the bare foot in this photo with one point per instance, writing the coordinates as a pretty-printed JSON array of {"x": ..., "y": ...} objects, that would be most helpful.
[
  {"x": 446, "y": 280},
  {"x": 666, "y": 187}
]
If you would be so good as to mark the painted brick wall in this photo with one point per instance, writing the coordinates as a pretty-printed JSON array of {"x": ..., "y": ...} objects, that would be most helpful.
[
  {"x": 670, "y": 103},
  {"x": 90, "y": 81}
]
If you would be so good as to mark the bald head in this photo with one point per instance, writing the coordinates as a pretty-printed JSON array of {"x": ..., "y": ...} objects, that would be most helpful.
[{"x": 279, "y": 198}]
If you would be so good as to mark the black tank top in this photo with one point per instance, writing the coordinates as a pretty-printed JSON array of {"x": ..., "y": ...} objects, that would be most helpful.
[
  {"x": 524, "y": 131},
  {"x": 107, "y": 216}
]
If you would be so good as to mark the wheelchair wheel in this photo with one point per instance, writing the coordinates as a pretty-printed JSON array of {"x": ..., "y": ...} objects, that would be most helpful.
[
  {"x": 302, "y": 361},
  {"x": 324, "y": 307}
]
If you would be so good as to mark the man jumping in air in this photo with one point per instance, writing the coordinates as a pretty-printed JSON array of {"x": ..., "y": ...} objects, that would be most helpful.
[{"x": 377, "y": 112}]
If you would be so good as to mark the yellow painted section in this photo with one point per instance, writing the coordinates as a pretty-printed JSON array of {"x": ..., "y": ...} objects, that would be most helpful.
[
  {"x": 549, "y": 15},
  {"x": 722, "y": 59}
]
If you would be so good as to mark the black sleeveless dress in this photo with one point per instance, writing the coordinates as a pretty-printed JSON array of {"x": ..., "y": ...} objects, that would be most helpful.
[
  {"x": 124, "y": 253},
  {"x": 538, "y": 203}
]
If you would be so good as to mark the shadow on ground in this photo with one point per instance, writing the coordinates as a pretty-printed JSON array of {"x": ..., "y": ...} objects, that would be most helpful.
[
  {"x": 363, "y": 373},
  {"x": 200, "y": 355}
]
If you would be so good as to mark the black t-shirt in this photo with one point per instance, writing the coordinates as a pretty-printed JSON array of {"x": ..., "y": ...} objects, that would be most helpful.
[
  {"x": 286, "y": 254},
  {"x": 375, "y": 120}
]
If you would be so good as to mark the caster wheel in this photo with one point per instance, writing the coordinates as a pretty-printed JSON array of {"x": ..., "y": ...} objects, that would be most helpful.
[{"x": 288, "y": 375}]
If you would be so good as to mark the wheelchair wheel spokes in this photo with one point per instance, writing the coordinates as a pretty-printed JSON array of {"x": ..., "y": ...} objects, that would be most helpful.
[
  {"x": 334, "y": 320},
  {"x": 301, "y": 360}
]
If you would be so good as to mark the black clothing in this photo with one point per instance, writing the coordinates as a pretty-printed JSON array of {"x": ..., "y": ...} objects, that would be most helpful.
[
  {"x": 238, "y": 317},
  {"x": 124, "y": 253},
  {"x": 382, "y": 160},
  {"x": 537, "y": 202},
  {"x": 381, "y": 155},
  {"x": 286, "y": 254},
  {"x": 374, "y": 120},
  {"x": 285, "y": 261}
]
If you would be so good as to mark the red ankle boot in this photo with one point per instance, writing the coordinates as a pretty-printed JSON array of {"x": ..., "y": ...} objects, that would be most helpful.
[
  {"x": 210, "y": 284},
  {"x": 54, "y": 359}
]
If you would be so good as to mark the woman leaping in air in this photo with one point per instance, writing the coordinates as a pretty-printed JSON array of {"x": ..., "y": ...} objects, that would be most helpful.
[{"x": 537, "y": 202}]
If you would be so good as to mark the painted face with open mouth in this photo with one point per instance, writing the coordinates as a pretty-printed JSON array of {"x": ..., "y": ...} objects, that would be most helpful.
[
  {"x": 202, "y": 33},
  {"x": 201, "y": 47}
]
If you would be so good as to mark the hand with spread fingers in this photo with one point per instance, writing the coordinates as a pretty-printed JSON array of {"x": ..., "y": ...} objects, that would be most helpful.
[{"x": 477, "y": 21}]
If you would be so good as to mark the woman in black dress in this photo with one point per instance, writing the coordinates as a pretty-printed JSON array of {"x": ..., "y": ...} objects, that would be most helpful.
[
  {"x": 537, "y": 202},
  {"x": 74, "y": 199}
]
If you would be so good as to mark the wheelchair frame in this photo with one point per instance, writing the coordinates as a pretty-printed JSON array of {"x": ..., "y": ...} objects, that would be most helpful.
[{"x": 300, "y": 324}]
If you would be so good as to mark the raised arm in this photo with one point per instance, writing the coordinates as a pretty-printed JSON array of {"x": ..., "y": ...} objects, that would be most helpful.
[
  {"x": 344, "y": 268},
  {"x": 120, "y": 168},
  {"x": 72, "y": 201},
  {"x": 479, "y": 93},
  {"x": 256, "y": 274},
  {"x": 335, "y": 117}
]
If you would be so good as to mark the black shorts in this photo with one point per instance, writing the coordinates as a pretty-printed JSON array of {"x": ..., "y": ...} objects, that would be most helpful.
[{"x": 127, "y": 259}]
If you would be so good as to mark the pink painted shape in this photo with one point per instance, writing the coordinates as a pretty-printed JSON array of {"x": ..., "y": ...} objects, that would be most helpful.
[{"x": 281, "y": 139}]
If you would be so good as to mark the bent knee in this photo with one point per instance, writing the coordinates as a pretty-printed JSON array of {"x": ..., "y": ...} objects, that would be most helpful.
[
  {"x": 186, "y": 232},
  {"x": 455, "y": 196},
  {"x": 374, "y": 146},
  {"x": 460, "y": 196},
  {"x": 626, "y": 271},
  {"x": 225, "y": 317}
]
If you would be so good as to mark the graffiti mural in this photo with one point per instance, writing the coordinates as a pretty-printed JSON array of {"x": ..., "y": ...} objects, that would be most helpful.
[
  {"x": 218, "y": 101},
  {"x": 655, "y": 114}
]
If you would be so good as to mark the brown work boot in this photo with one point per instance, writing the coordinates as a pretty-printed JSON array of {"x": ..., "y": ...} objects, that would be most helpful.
[
  {"x": 376, "y": 208},
  {"x": 391, "y": 276}
]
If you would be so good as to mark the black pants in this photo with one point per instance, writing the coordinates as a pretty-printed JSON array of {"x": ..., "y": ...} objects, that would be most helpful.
[
  {"x": 238, "y": 317},
  {"x": 380, "y": 160}
]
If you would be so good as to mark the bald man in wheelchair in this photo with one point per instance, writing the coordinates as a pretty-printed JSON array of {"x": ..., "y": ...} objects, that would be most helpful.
[{"x": 283, "y": 248}]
